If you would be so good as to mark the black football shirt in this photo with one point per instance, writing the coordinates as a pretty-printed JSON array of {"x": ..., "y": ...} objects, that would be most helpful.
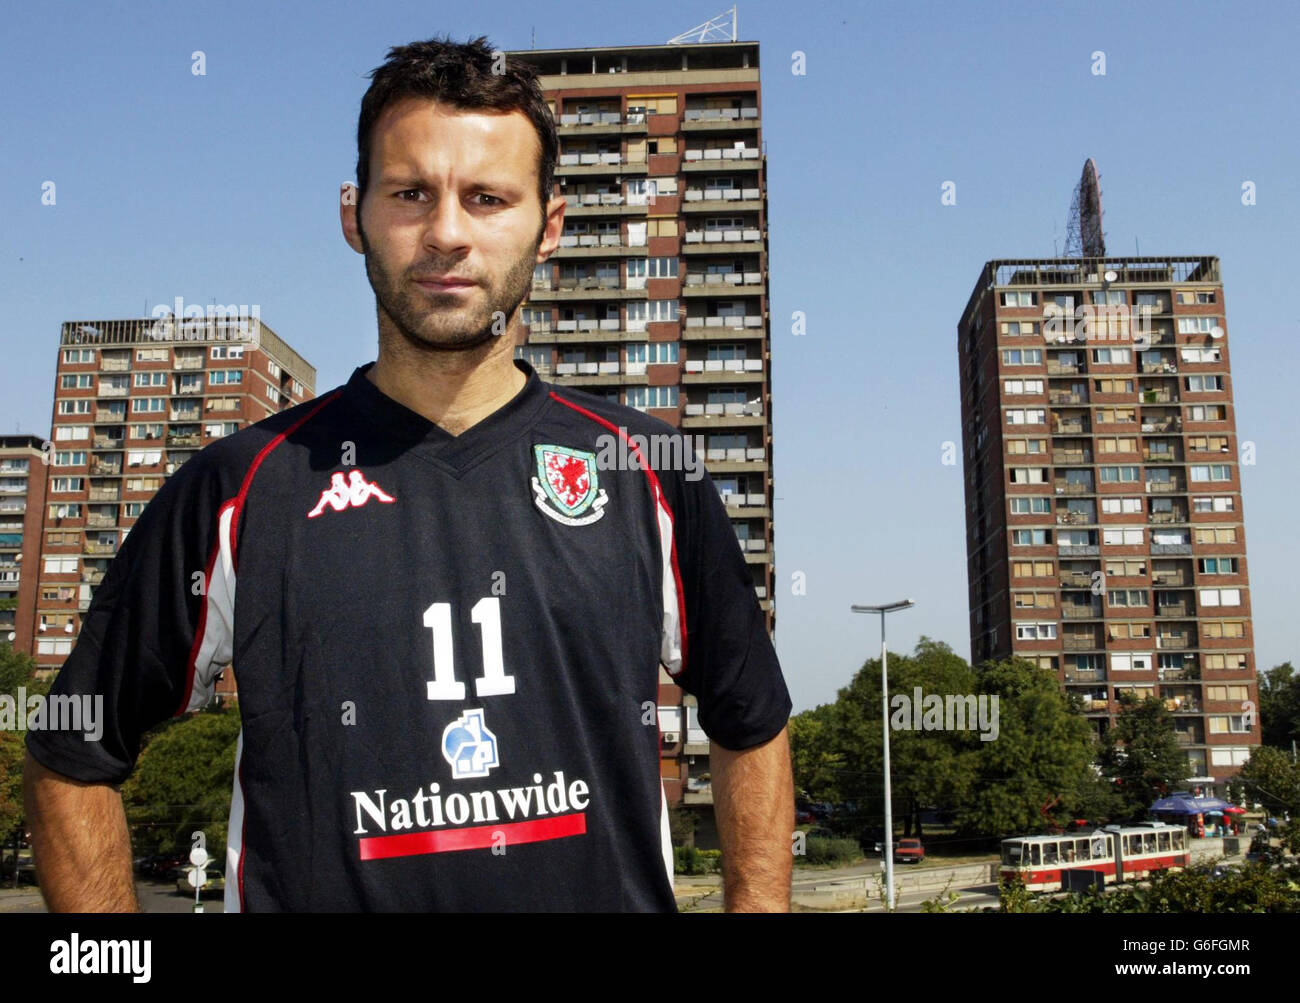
[{"x": 447, "y": 649}]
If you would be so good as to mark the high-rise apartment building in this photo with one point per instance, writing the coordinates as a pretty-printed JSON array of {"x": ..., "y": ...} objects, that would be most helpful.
[
  {"x": 134, "y": 399},
  {"x": 657, "y": 296},
  {"x": 22, "y": 493},
  {"x": 1103, "y": 496}
]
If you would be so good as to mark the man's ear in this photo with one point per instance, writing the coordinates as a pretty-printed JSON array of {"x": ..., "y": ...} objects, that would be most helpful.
[
  {"x": 348, "y": 210},
  {"x": 552, "y": 229}
]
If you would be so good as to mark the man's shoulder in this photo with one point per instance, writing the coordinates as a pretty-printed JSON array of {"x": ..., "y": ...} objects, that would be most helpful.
[
  {"x": 233, "y": 456},
  {"x": 630, "y": 420}
]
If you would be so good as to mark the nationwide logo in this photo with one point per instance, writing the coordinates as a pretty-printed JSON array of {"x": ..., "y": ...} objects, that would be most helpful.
[
  {"x": 469, "y": 747},
  {"x": 430, "y": 822},
  {"x": 353, "y": 492},
  {"x": 567, "y": 479}
]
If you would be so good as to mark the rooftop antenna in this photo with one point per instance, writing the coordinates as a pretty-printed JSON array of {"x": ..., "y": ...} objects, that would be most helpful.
[
  {"x": 1083, "y": 236},
  {"x": 715, "y": 29}
]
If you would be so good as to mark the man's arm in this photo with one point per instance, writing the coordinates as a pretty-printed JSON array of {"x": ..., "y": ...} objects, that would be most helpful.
[
  {"x": 80, "y": 842},
  {"x": 753, "y": 800}
]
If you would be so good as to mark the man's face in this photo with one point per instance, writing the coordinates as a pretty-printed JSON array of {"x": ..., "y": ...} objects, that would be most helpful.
[{"x": 452, "y": 195}]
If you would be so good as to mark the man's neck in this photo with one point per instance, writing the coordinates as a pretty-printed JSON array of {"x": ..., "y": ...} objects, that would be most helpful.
[{"x": 454, "y": 390}]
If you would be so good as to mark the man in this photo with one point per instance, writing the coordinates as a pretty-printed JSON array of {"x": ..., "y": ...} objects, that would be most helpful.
[{"x": 446, "y": 618}]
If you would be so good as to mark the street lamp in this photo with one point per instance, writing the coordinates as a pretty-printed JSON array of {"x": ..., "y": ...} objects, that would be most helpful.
[{"x": 884, "y": 718}]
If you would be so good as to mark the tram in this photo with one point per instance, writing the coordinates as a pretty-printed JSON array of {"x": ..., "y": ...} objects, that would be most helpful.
[{"x": 1118, "y": 853}]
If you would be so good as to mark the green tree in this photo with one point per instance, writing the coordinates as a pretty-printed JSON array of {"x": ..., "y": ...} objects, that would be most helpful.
[
  {"x": 815, "y": 764},
  {"x": 17, "y": 673},
  {"x": 1279, "y": 706},
  {"x": 1142, "y": 753},
  {"x": 182, "y": 783},
  {"x": 1038, "y": 772},
  {"x": 1270, "y": 778},
  {"x": 927, "y": 767}
]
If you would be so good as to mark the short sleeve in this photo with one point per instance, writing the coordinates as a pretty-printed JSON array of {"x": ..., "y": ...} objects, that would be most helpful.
[
  {"x": 728, "y": 661},
  {"x": 155, "y": 636}
]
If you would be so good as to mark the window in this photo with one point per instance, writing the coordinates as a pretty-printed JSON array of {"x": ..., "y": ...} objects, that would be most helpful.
[
  {"x": 1220, "y": 597},
  {"x": 1109, "y": 297},
  {"x": 273, "y": 369},
  {"x": 132, "y": 510},
  {"x": 1033, "y": 631},
  {"x": 1116, "y": 415},
  {"x": 1029, "y": 416},
  {"x": 1207, "y": 412},
  {"x": 1227, "y": 692},
  {"x": 77, "y": 381},
  {"x": 150, "y": 431},
  {"x": 648, "y": 397},
  {"x": 152, "y": 355},
  {"x": 1196, "y": 325},
  {"x": 1121, "y": 537},
  {"x": 1031, "y": 505},
  {"x": 1016, "y": 327},
  {"x": 1213, "y": 354},
  {"x": 70, "y": 510},
  {"x": 143, "y": 457},
  {"x": 1204, "y": 383},
  {"x": 1019, "y": 299},
  {"x": 1218, "y": 565},
  {"x": 1216, "y": 534},
  {"x": 1127, "y": 631},
  {"x": 1024, "y": 446},
  {"x": 661, "y": 352},
  {"x": 1022, "y": 356},
  {"x": 225, "y": 377},
  {"x": 1114, "y": 444},
  {"x": 74, "y": 458},
  {"x": 1121, "y": 475},
  {"x": 1121, "y": 506},
  {"x": 1030, "y": 537},
  {"x": 65, "y": 433},
  {"x": 63, "y": 485},
  {"x": 61, "y": 565},
  {"x": 1032, "y": 569},
  {"x": 1129, "y": 567},
  {"x": 1028, "y": 475},
  {"x": 144, "y": 405},
  {"x": 660, "y": 310},
  {"x": 1225, "y": 661},
  {"x": 1127, "y": 597},
  {"x": 1033, "y": 600},
  {"x": 53, "y": 647},
  {"x": 1211, "y": 472},
  {"x": 227, "y": 351},
  {"x": 1022, "y": 386},
  {"x": 1113, "y": 386},
  {"x": 661, "y": 268},
  {"x": 1130, "y": 662},
  {"x": 77, "y": 356},
  {"x": 1212, "y": 503},
  {"x": 81, "y": 406},
  {"x": 157, "y": 378},
  {"x": 1112, "y": 356}
]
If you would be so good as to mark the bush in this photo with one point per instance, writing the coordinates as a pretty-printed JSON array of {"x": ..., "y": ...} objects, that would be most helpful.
[
  {"x": 819, "y": 850},
  {"x": 689, "y": 860}
]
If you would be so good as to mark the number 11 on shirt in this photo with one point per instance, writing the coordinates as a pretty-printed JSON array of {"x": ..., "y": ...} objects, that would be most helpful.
[{"x": 494, "y": 681}]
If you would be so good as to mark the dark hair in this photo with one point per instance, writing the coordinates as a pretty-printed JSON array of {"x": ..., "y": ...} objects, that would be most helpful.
[{"x": 469, "y": 76}]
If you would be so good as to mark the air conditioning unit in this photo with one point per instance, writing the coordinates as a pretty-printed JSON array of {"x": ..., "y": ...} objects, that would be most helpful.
[{"x": 671, "y": 737}]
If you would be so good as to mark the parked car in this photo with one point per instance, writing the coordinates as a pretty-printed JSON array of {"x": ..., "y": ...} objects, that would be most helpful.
[{"x": 909, "y": 851}]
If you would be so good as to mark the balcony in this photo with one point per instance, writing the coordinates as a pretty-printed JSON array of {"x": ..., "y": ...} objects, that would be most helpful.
[
  {"x": 104, "y": 416},
  {"x": 1171, "y": 549},
  {"x": 1182, "y": 705},
  {"x": 735, "y": 320},
  {"x": 1066, "y": 397},
  {"x": 1075, "y": 518},
  {"x": 91, "y": 547},
  {"x": 1071, "y": 457},
  {"x": 112, "y": 365},
  {"x": 107, "y": 390},
  {"x": 1071, "y": 428},
  {"x": 1068, "y": 488},
  {"x": 1075, "y": 581},
  {"x": 1169, "y": 580},
  {"x": 1157, "y": 397},
  {"x": 192, "y": 439},
  {"x": 1187, "y": 672},
  {"x": 101, "y": 521},
  {"x": 1081, "y": 612},
  {"x": 102, "y": 468},
  {"x": 91, "y": 577},
  {"x": 187, "y": 389},
  {"x": 1080, "y": 643},
  {"x": 1163, "y": 425},
  {"x": 1085, "y": 675},
  {"x": 1173, "y": 609},
  {"x": 1167, "y": 517},
  {"x": 1174, "y": 642},
  {"x": 189, "y": 362},
  {"x": 105, "y": 494},
  {"x": 1164, "y": 487},
  {"x": 1062, "y": 368}
]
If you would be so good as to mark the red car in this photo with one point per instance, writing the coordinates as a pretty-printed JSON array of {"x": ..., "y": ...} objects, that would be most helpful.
[{"x": 909, "y": 851}]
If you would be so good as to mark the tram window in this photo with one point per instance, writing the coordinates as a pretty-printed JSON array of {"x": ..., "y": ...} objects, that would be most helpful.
[
  {"x": 1178, "y": 839},
  {"x": 1149, "y": 843},
  {"x": 1034, "y": 850},
  {"x": 1011, "y": 854},
  {"x": 1049, "y": 853},
  {"x": 1082, "y": 845},
  {"x": 1163, "y": 841},
  {"x": 1099, "y": 848}
]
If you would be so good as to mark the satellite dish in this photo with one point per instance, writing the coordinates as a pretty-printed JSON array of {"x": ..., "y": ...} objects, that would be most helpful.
[
  {"x": 1111, "y": 276},
  {"x": 12, "y": 635},
  {"x": 1216, "y": 331}
]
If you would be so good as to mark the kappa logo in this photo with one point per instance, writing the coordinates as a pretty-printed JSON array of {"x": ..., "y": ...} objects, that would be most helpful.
[
  {"x": 469, "y": 747},
  {"x": 567, "y": 479},
  {"x": 353, "y": 492}
]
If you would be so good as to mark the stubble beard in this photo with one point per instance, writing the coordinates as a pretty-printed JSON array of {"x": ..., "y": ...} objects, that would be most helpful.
[{"x": 439, "y": 322}]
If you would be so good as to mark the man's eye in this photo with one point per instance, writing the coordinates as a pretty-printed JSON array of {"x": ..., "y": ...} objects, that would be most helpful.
[
  {"x": 409, "y": 191},
  {"x": 494, "y": 199}
]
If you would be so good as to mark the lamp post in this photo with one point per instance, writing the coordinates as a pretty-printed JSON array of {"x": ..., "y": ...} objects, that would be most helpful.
[{"x": 884, "y": 720}]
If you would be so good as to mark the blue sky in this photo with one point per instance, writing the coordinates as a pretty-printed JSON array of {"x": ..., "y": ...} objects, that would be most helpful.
[{"x": 224, "y": 188}]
